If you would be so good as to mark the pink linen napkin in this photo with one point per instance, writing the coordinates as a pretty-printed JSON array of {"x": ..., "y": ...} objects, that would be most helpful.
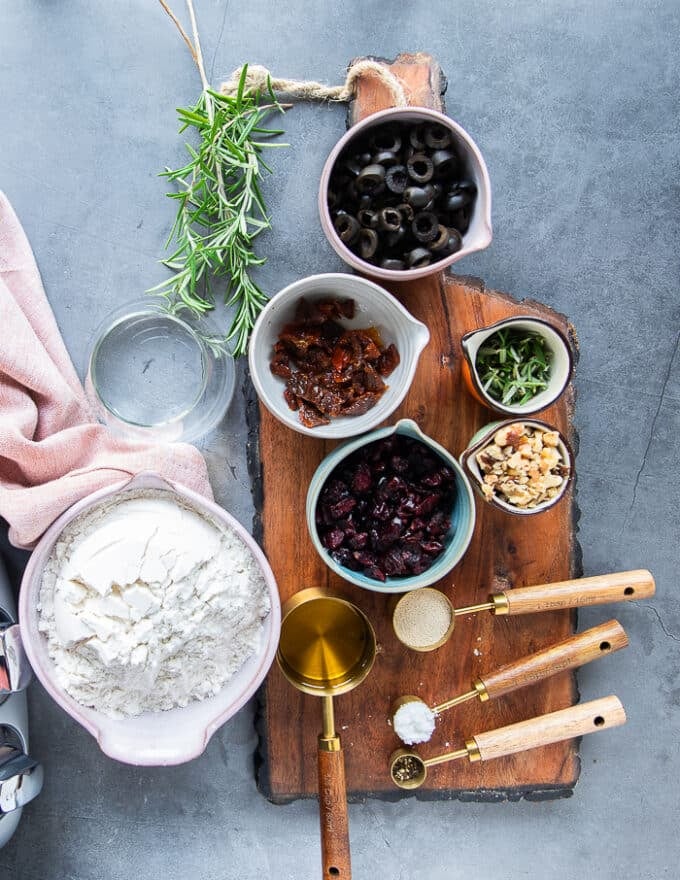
[{"x": 52, "y": 451}]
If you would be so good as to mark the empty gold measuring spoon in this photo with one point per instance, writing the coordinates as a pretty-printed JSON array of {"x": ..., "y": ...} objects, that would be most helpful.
[
  {"x": 417, "y": 725},
  {"x": 326, "y": 648},
  {"x": 622, "y": 586},
  {"x": 409, "y": 770}
]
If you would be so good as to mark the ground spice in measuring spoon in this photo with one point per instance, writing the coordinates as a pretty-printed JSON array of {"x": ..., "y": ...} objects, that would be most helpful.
[{"x": 422, "y": 619}]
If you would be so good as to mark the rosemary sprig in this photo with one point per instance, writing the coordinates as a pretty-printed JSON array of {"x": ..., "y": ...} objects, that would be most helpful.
[
  {"x": 220, "y": 210},
  {"x": 513, "y": 366}
]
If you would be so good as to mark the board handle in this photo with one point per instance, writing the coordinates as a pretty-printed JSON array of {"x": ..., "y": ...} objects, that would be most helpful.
[
  {"x": 567, "y": 654},
  {"x": 335, "y": 852},
  {"x": 623, "y": 586},
  {"x": 589, "y": 717}
]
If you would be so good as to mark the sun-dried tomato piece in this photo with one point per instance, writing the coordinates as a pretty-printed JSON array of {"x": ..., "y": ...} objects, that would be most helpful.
[
  {"x": 388, "y": 361},
  {"x": 310, "y": 415}
]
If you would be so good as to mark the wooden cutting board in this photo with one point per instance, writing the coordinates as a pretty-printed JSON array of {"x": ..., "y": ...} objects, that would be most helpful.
[{"x": 506, "y": 551}]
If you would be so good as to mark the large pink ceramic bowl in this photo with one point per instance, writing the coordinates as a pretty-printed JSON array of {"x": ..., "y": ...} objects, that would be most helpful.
[
  {"x": 479, "y": 233},
  {"x": 158, "y": 738}
]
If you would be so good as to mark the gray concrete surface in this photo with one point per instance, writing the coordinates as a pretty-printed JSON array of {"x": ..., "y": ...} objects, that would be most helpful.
[{"x": 574, "y": 105}]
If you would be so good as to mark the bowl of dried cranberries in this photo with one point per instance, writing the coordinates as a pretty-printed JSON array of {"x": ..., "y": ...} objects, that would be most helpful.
[
  {"x": 334, "y": 355},
  {"x": 405, "y": 193},
  {"x": 391, "y": 511}
]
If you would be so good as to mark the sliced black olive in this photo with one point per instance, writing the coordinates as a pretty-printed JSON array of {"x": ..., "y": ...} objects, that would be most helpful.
[
  {"x": 386, "y": 158},
  {"x": 352, "y": 167},
  {"x": 347, "y": 227},
  {"x": 368, "y": 217},
  {"x": 420, "y": 168},
  {"x": 406, "y": 211},
  {"x": 445, "y": 163},
  {"x": 371, "y": 179},
  {"x": 437, "y": 136},
  {"x": 460, "y": 220},
  {"x": 432, "y": 195},
  {"x": 442, "y": 239},
  {"x": 460, "y": 194},
  {"x": 395, "y": 236},
  {"x": 457, "y": 200},
  {"x": 368, "y": 243},
  {"x": 417, "y": 137},
  {"x": 390, "y": 219},
  {"x": 425, "y": 226},
  {"x": 388, "y": 263},
  {"x": 396, "y": 179},
  {"x": 416, "y": 196},
  {"x": 455, "y": 243},
  {"x": 386, "y": 139},
  {"x": 418, "y": 257}
]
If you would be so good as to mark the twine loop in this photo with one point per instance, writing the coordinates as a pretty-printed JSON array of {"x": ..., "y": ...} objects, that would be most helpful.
[{"x": 258, "y": 76}]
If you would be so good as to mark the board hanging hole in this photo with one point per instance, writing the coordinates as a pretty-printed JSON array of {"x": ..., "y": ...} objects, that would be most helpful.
[
  {"x": 605, "y": 646},
  {"x": 334, "y": 872},
  {"x": 629, "y": 591},
  {"x": 598, "y": 721}
]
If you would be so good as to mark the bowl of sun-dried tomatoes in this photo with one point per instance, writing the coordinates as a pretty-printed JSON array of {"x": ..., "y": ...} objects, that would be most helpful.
[{"x": 334, "y": 355}]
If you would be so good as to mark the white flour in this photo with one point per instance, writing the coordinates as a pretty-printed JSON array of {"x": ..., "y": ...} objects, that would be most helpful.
[{"x": 148, "y": 605}]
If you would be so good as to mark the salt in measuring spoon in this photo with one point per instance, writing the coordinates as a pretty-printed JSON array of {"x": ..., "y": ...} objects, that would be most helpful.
[
  {"x": 574, "y": 651},
  {"x": 409, "y": 770}
]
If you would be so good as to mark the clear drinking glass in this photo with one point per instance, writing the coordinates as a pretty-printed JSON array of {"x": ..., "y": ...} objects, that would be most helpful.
[{"x": 151, "y": 374}]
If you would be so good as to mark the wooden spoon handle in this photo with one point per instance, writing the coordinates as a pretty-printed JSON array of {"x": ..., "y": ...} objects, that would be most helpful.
[
  {"x": 335, "y": 853},
  {"x": 622, "y": 586},
  {"x": 565, "y": 724},
  {"x": 568, "y": 654}
]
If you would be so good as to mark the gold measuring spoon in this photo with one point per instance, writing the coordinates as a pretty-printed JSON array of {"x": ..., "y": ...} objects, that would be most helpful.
[
  {"x": 623, "y": 586},
  {"x": 567, "y": 654},
  {"x": 409, "y": 770},
  {"x": 326, "y": 648}
]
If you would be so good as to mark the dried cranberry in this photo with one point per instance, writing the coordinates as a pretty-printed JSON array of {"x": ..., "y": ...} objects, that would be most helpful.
[
  {"x": 333, "y": 539},
  {"x": 362, "y": 480},
  {"x": 358, "y": 541},
  {"x": 342, "y": 507}
]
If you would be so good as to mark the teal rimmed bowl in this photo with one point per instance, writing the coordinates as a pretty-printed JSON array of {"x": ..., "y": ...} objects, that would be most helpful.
[{"x": 462, "y": 515}]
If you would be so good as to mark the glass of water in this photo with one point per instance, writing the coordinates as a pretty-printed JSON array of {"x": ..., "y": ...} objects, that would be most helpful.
[{"x": 152, "y": 374}]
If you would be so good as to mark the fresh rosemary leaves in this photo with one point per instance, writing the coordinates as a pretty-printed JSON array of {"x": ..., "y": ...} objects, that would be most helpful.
[
  {"x": 513, "y": 366},
  {"x": 220, "y": 208}
]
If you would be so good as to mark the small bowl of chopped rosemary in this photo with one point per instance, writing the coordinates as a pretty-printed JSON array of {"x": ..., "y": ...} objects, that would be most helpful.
[{"x": 517, "y": 366}]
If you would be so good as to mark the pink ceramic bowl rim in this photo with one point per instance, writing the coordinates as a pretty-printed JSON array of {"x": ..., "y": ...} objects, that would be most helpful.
[
  {"x": 160, "y": 738},
  {"x": 470, "y": 246}
]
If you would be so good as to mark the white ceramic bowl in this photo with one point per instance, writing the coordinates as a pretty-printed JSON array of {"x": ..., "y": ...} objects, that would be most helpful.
[
  {"x": 479, "y": 233},
  {"x": 484, "y": 437},
  {"x": 462, "y": 515},
  {"x": 561, "y": 364},
  {"x": 374, "y": 307},
  {"x": 153, "y": 738}
]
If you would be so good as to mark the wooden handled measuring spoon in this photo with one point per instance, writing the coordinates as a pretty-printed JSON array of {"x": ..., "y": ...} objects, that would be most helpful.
[
  {"x": 623, "y": 586},
  {"x": 418, "y": 723},
  {"x": 409, "y": 770}
]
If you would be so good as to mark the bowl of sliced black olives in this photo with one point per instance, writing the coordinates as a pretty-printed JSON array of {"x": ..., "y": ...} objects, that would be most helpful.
[{"x": 405, "y": 193}]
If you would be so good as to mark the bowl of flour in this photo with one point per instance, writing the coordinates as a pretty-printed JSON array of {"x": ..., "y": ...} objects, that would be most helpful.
[{"x": 151, "y": 616}]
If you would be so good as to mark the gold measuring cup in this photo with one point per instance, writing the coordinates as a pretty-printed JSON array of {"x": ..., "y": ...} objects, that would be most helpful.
[
  {"x": 574, "y": 651},
  {"x": 327, "y": 647},
  {"x": 408, "y": 770},
  {"x": 622, "y": 586}
]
